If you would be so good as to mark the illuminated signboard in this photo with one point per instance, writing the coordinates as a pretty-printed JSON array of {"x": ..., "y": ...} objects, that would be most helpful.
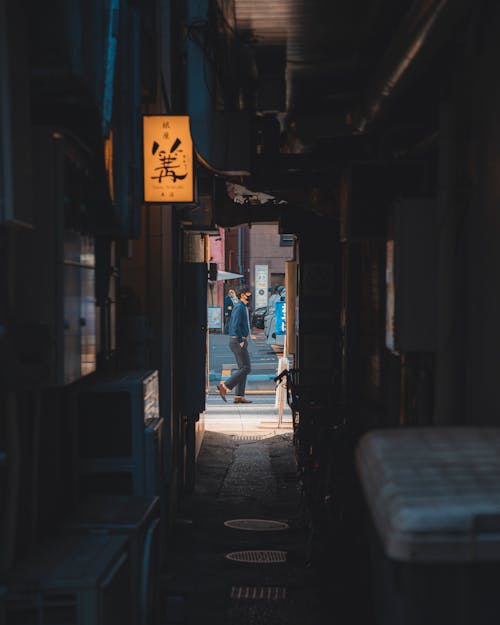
[{"x": 168, "y": 159}]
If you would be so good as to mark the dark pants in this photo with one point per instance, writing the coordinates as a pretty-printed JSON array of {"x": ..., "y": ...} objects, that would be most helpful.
[{"x": 239, "y": 377}]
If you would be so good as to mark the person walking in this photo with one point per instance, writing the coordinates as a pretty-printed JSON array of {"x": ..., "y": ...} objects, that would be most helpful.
[
  {"x": 239, "y": 333},
  {"x": 230, "y": 302}
]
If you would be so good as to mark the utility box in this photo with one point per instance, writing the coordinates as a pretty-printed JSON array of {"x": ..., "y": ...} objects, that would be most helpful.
[{"x": 433, "y": 496}]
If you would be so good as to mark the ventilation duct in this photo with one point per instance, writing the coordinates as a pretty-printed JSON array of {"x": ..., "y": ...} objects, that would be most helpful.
[{"x": 421, "y": 28}]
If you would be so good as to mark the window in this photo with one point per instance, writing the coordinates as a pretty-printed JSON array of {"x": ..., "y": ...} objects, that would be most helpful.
[{"x": 286, "y": 240}]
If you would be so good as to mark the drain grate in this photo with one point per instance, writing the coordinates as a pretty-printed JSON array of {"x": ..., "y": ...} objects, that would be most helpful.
[
  {"x": 256, "y": 525},
  {"x": 263, "y": 593},
  {"x": 262, "y": 556},
  {"x": 247, "y": 438}
]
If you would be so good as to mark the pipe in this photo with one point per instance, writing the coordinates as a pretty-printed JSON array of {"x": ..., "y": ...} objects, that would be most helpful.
[
  {"x": 9, "y": 519},
  {"x": 421, "y": 147},
  {"x": 414, "y": 35},
  {"x": 240, "y": 251},
  {"x": 110, "y": 65},
  {"x": 6, "y": 166}
]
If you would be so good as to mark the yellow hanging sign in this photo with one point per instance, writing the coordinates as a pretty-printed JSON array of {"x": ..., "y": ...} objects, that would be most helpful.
[{"x": 168, "y": 159}]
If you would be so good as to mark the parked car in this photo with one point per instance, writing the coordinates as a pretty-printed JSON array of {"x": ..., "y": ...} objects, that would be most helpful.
[{"x": 258, "y": 317}]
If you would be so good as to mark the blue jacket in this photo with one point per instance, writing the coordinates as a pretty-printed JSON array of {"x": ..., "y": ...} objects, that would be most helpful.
[
  {"x": 238, "y": 322},
  {"x": 228, "y": 305}
]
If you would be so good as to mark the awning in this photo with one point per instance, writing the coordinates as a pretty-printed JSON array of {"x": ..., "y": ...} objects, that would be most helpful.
[
  {"x": 241, "y": 195},
  {"x": 227, "y": 275}
]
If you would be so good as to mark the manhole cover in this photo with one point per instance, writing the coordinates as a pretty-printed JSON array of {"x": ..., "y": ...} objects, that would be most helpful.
[
  {"x": 256, "y": 525},
  {"x": 258, "y": 557},
  {"x": 265, "y": 593}
]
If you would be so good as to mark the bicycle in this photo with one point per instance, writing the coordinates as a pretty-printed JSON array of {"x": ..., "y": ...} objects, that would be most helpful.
[{"x": 319, "y": 442}]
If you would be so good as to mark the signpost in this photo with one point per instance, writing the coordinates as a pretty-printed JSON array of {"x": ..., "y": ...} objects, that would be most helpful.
[{"x": 261, "y": 285}]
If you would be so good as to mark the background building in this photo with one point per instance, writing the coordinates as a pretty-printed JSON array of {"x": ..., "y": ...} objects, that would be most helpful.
[{"x": 268, "y": 247}]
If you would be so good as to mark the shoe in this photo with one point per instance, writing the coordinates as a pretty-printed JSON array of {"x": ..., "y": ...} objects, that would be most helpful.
[
  {"x": 222, "y": 388},
  {"x": 242, "y": 400}
]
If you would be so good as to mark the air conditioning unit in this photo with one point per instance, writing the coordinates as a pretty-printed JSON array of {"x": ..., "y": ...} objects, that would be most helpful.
[
  {"x": 138, "y": 518},
  {"x": 75, "y": 580},
  {"x": 118, "y": 435}
]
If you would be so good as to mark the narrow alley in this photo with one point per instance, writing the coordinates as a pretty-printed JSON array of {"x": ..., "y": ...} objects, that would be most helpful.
[
  {"x": 241, "y": 479},
  {"x": 178, "y": 175},
  {"x": 238, "y": 548},
  {"x": 241, "y": 548}
]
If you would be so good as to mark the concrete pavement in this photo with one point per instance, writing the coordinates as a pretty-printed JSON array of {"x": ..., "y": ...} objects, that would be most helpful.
[
  {"x": 257, "y": 419},
  {"x": 246, "y": 470}
]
